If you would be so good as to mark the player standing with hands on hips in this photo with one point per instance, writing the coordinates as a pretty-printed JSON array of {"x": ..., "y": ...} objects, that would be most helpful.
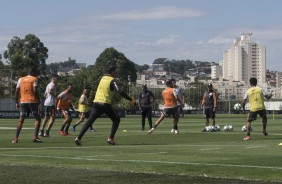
[
  {"x": 256, "y": 98},
  {"x": 102, "y": 103},
  {"x": 145, "y": 105},
  {"x": 209, "y": 103}
]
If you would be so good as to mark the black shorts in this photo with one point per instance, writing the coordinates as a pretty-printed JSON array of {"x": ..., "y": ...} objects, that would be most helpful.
[
  {"x": 85, "y": 114},
  {"x": 170, "y": 111},
  {"x": 179, "y": 109},
  {"x": 50, "y": 110},
  {"x": 29, "y": 108},
  {"x": 64, "y": 112},
  {"x": 253, "y": 115},
  {"x": 209, "y": 113}
]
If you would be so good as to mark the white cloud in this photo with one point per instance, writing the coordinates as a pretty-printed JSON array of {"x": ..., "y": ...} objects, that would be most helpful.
[
  {"x": 171, "y": 39},
  {"x": 143, "y": 43},
  {"x": 154, "y": 14}
]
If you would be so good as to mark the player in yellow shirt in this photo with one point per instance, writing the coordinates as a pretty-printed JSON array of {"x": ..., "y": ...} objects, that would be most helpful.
[
  {"x": 102, "y": 103},
  {"x": 256, "y": 98},
  {"x": 83, "y": 109}
]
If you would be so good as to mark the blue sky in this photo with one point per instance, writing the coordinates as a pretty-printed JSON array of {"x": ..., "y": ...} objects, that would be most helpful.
[{"x": 144, "y": 30}]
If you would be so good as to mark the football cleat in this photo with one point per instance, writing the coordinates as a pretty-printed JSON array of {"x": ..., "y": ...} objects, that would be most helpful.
[
  {"x": 172, "y": 131},
  {"x": 15, "y": 140},
  {"x": 176, "y": 131},
  {"x": 62, "y": 133},
  {"x": 247, "y": 138},
  {"x": 151, "y": 131},
  {"x": 37, "y": 140},
  {"x": 265, "y": 133},
  {"x": 111, "y": 141},
  {"x": 77, "y": 141},
  {"x": 46, "y": 135},
  {"x": 41, "y": 133}
]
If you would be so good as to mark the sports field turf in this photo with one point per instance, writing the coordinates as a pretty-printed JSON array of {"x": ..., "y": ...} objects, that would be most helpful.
[{"x": 190, "y": 157}]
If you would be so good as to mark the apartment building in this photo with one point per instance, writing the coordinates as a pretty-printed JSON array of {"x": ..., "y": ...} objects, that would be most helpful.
[{"x": 245, "y": 59}]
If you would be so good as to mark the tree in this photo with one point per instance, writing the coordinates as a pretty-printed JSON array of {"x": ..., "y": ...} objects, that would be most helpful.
[
  {"x": 26, "y": 53},
  {"x": 195, "y": 93},
  {"x": 141, "y": 68},
  {"x": 160, "y": 61}
]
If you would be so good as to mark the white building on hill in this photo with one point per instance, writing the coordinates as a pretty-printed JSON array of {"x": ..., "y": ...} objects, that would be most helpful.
[{"x": 245, "y": 59}]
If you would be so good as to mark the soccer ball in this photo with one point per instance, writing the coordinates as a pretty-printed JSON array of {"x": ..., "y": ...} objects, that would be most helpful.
[
  {"x": 244, "y": 129},
  {"x": 237, "y": 107},
  {"x": 228, "y": 128},
  {"x": 210, "y": 129},
  {"x": 217, "y": 128}
]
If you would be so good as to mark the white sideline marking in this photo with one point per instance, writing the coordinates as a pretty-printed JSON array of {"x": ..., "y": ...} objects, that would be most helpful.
[
  {"x": 97, "y": 156},
  {"x": 206, "y": 149},
  {"x": 14, "y": 128},
  {"x": 131, "y": 146},
  {"x": 255, "y": 147},
  {"x": 143, "y": 161},
  {"x": 155, "y": 153}
]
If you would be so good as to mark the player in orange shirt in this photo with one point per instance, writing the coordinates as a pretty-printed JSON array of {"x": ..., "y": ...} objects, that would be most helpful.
[
  {"x": 63, "y": 106},
  {"x": 170, "y": 107},
  {"x": 27, "y": 100}
]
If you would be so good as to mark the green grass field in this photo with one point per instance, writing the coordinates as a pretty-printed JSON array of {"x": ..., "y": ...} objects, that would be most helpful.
[{"x": 190, "y": 157}]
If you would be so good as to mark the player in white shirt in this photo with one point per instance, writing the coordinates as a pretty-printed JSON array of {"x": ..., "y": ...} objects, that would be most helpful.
[{"x": 50, "y": 106}]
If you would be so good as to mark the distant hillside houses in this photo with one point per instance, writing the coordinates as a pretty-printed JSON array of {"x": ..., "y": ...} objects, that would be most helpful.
[{"x": 155, "y": 76}]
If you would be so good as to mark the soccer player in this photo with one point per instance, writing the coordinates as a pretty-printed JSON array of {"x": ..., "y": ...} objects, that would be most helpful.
[
  {"x": 108, "y": 85},
  {"x": 170, "y": 107},
  {"x": 50, "y": 106},
  {"x": 64, "y": 105},
  {"x": 209, "y": 103},
  {"x": 179, "y": 93},
  {"x": 27, "y": 100},
  {"x": 256, "y": 98},
  {"x": 145, "y": 105},
  {"x": 83, "y": 109}
]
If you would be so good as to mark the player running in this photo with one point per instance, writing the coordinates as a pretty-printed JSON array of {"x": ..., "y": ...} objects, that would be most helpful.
[{"x": 170, "y": 107}]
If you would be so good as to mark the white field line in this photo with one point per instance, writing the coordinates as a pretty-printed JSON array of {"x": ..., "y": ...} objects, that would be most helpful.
[
  {"x": 207, "y": 149},
  {"x": 250, "y": 147},
  {"x": 143, "y": 161},
  {"x": 133, "y": 146},
  {"x": 154, "y": 153},
  {"x": 14, "y": 128}
]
